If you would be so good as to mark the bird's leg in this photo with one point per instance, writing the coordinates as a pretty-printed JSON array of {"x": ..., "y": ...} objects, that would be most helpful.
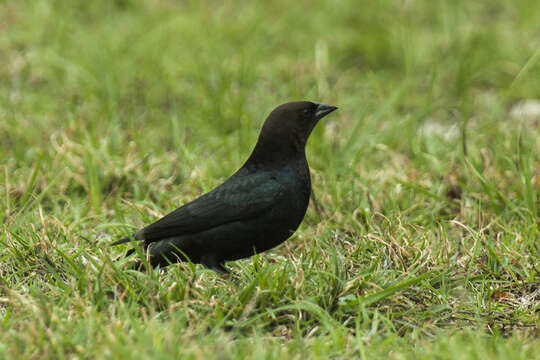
[
  {"x": 210, "y": 262},
  {"x": 220, "y": 269},
  {"x": 318, "y": 208}
]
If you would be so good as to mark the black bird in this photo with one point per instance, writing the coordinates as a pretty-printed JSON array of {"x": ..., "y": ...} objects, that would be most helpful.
[{"x": 257, "y": 208}]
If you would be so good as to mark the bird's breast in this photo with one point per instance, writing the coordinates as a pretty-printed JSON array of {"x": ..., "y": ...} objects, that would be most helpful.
[{"x": 297, "y": 185}]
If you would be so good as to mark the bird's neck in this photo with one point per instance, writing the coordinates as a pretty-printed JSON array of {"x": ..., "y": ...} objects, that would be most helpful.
[{"x": 269, "y": 152}]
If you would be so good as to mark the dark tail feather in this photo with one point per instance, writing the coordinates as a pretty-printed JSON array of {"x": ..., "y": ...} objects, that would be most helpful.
[
  {"x": 122, "y": 241},
  {"x": 138, "y": 265}
]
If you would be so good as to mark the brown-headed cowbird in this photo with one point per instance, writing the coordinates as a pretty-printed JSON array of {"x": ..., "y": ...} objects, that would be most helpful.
[{"x": 257, "y": 208}]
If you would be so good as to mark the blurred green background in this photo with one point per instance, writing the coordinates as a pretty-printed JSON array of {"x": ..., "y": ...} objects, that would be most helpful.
[{"x": 113, "y": 113}]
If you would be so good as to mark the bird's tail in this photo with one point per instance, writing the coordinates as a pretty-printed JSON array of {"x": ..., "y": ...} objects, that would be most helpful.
[
  {"x": 139, "y": 264},
  {"x": 122, "y": 241}
]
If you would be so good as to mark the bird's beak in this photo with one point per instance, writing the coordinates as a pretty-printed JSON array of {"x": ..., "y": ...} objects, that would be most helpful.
[{"x": 323, "y": 110}]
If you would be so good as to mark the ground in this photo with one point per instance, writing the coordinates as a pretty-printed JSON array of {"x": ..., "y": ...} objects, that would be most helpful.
[{"x": 427, "y": 242}]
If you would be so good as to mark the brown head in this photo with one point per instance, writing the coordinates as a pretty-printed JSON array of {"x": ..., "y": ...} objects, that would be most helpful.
[{"x": 286, "y": 130}]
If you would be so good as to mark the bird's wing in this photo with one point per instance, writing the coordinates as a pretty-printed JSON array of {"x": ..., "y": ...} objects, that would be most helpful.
[{"x": 240, "y": 197}]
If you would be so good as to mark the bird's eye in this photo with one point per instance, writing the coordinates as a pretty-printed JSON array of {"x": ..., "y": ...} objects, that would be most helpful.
[{"x": 305, "y": 111}]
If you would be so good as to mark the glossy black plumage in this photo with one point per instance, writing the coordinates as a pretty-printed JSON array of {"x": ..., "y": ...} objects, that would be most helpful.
[{"x": 257, "y": 208}]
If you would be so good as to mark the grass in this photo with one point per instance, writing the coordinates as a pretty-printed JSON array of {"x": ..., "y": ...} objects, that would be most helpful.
[{"x": 113, "y": 113}]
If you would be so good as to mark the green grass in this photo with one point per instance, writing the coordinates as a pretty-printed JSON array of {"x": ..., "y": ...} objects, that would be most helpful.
[{"x": 113, "y": 113}]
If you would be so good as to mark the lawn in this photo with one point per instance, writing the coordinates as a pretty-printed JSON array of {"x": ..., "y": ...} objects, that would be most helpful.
[{"x": 425, "y": 243}]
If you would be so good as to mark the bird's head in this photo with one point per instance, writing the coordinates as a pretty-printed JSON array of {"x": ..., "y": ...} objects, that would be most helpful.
[{"x": 286, "y": 130}]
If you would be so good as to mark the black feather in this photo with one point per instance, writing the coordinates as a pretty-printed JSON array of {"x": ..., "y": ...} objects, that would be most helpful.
[{"x": 122, "y": 241}]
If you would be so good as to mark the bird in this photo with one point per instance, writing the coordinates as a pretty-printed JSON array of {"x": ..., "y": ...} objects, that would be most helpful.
[{"x": 259, "y": 207}]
